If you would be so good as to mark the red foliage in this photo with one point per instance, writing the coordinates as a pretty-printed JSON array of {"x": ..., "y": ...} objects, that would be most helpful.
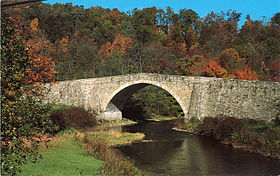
[
  {"x": 40, "y": 69},
  {"x": 214, "y": 69},
  {"x": 246, "y": 73},
  {"x": 114, "y": 16},
  {"x": 121, "y": 44}
]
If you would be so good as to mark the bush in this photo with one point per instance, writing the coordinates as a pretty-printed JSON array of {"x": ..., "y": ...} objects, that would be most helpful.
[
  {"x": 221, "y": 127},
  {"x": 266, "y": 142},
  {"x": 21, "y": 124},
  {"x": 76, "y": 118},
  {"x": 257, "y": 136},
  {"x": 189, "y": 126}
]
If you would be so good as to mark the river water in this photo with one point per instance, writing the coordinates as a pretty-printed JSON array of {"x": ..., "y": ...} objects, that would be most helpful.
[{"x": 168, "y": 152}]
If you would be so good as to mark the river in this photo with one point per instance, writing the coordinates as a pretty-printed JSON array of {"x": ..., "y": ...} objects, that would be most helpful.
[{"x": 169, "y": 152}]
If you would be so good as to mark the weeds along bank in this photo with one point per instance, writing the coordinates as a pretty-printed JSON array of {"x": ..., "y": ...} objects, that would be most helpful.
[
  {"x": 81, "y": 134},
  {"x": 252, "y": 135}
]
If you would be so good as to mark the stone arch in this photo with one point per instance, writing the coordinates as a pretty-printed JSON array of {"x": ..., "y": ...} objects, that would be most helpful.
[{"x": 123, "y": 92}]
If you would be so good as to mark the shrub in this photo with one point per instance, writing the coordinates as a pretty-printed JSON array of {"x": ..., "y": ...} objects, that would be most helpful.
[
  {"x": 189, "y": 126},
  {"x": 22, "y": 121},
  {"x": 257, "y": 136},
  {"x": 266, "y": 142},
  {"x": 76, "y": 118},
  {"x": 221, "y": 127}
]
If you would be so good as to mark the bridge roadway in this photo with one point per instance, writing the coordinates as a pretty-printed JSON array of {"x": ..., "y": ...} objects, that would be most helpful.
[{"x": 199, "y": 97}]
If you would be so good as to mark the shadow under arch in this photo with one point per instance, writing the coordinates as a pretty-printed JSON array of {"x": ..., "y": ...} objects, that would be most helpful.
[{"x": 121, "y": 95}]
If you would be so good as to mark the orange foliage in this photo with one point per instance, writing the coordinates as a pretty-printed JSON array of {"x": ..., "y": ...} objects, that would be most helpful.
[
  {"x": 120, "y": 44},
  {"x": 214, "y": 69},
  {"x": 34, "y": 24},
  {"x": 41, "y": 68},
  {"x": 246, "y": 73},
  {"x": 63, "y": 44},
  {"x": 114, "y": 16}
]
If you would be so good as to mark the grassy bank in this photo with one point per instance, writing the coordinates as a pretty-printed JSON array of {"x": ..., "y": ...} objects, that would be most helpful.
[
  {"x": 84, "y": 146},
  {"x": 64, "y": 156},
  {"x": 256, "y": 136},
  {"x": 100, "y": 142}
]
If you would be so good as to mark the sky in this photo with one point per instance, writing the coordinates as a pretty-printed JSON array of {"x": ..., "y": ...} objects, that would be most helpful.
[{"x": 257, "y": 9}]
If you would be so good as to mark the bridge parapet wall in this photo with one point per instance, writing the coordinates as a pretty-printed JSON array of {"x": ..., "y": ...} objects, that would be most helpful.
[{"x": 239, "y": 98}]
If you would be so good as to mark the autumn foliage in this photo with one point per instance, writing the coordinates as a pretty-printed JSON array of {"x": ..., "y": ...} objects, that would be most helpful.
[
  {"x": 214, "y": 69},
  {"x": 40, "y": 68},
  {"x": 275, "y": 71},
  {"x": 120, "y": 44},
  {"x": 190, "y": 66},
  {"x": 247, "y": 74},
  {"x": 23, "y": 68}
]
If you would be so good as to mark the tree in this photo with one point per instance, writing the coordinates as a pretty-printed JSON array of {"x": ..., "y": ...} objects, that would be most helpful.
[
  {"x": 190, "y": 24},
  {"x": 190, "y": 66},
  {"x": 230, "y": 60},
  {"x": 218, "y": 31},
  {"x": 112, "y": 65},
  {"x": 144, "y": 22},
  {"x": 156, "y": 101},
  {"x": 246, "y": 73},
  {"x": 214, "y": 69},
  {"x": 275, "y": 71},
  {"x": 158, "y": 65},
  {"x": 22, "y": 119},
  {"x": 140, "y": 56},
  {"x": 83, "y": 60},
  {"x": 275, "y": 20}
]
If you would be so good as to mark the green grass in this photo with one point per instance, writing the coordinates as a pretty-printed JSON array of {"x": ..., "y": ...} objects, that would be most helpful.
[
  {"x": 59, "y": 107},
  {"x": 261, "y": 127},
  {"x": 64, "y": 159}
]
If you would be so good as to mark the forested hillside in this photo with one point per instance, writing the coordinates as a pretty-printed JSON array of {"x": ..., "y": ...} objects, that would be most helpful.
[{"x": 98, "y": 42}]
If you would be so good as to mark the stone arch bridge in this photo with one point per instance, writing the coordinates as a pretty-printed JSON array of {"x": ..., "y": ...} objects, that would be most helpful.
[{"x": 199, "y": 97}]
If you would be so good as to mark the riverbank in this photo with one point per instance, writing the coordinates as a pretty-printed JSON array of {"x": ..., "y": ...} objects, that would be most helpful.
[
  {"x": 100, "y": 142},
  {"x": 158, "y": 118},
  {"x": 251, "y": 135},
  {"x": 63, "y": 156},
  {"x": 84, "y": 139}
]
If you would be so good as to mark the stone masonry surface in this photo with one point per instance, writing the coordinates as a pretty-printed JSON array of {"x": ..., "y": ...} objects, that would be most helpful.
[{"x": 199, "y": 97}]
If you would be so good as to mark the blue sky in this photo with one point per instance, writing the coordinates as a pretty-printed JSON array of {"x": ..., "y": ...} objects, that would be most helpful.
[{"x": 256, "y": 8}]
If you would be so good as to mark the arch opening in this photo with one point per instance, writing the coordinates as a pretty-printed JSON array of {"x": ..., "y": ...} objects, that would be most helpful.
[{"x": 143, "y": 100}]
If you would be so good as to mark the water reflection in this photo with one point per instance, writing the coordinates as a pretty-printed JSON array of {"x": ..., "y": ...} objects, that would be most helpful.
[{"x": 184, "y": 154}]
